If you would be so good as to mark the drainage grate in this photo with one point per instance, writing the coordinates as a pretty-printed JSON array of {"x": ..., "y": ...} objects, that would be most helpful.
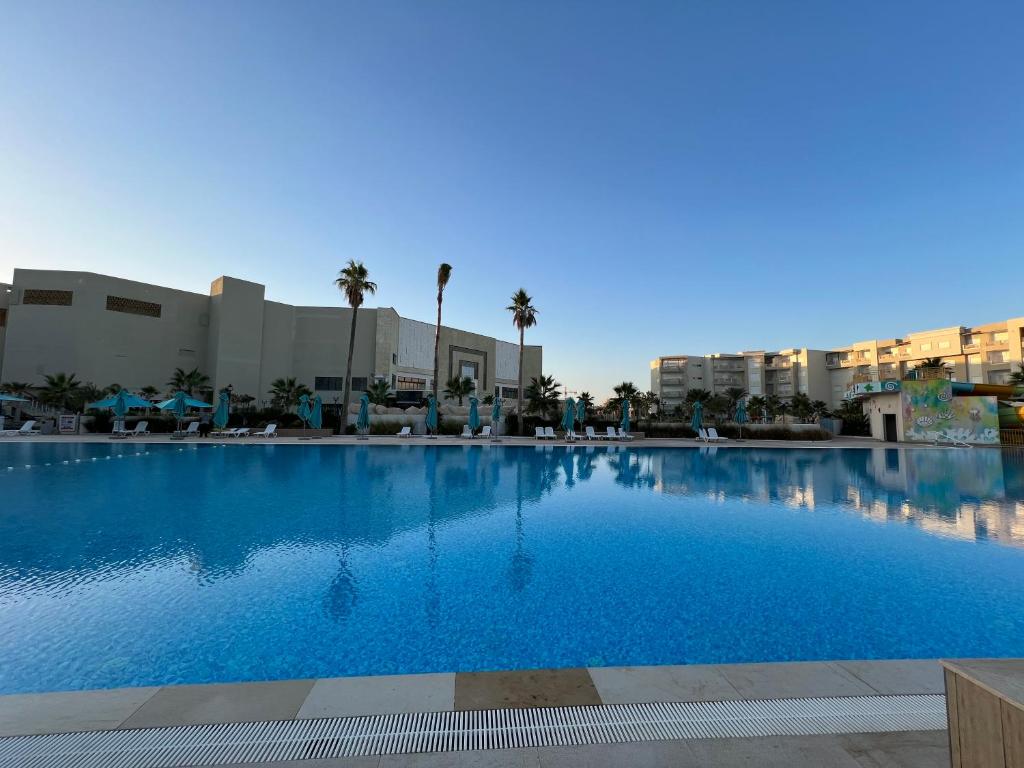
[{"x": 233, "y": 743}]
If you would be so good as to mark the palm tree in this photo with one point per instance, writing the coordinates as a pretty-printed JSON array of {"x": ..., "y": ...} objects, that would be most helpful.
[
  {"x": 524, "y": 315},
  {"x": 783, "y": 408},
  {"x": 735, "y": 394},
  {"x": 354, "y": 282},
  {"x": 756, "y": 405},
  {"x": 1017, "y": 377},
  {"x": 149, "y": 391},
  {"x": 16, "y": 388},
  {"x": 819, "y": 410},
  {"x": 112, "y": 389},
  {"x": 488, "y": 400},
  {"x": 286, "y": 392},
  {"x": 444, "y": 274},
  {"x": 801, "y": 405},
  {"x": 378, "y": 392},
  {"x": 588, "y": 401},
  {"x": 771, "y": 405},
  {"x": 543, "y": 395},
  {"x": 188, "y": 381},
  {"x": 697, "y": 396},
  {"x": 458, "y": 387},
  {"x": 932, "y": 368},
  {"x": 60, "y": 389}
]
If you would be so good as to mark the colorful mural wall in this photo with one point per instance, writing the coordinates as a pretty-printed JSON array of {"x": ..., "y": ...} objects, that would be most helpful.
[{"x": 931, "y": 412}]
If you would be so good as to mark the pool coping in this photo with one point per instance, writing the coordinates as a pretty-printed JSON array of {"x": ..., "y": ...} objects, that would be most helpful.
[{"x": 178, "y": 705}]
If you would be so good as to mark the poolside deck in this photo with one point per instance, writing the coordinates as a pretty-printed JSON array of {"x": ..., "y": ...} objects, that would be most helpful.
[{"x": 496, "y": 696}]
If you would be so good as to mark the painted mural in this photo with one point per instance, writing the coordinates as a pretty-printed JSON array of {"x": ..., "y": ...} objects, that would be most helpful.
[{"x": 931, "y": 412}]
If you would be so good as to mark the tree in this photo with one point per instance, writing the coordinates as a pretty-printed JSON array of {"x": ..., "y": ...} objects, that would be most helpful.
[
  {"x": 188, "y": 381},
  {"x": 801, "y": 405},
  {"x": 354, "y": 282},
  {"x": 735, "y": 394},
  {"x": 112, "y": 389},
  {"x": 718, "y": 406},
  {"x": 783, "y": 408},
  {"x": 756, "y": 407},
  {"x": 1017, "y": 377},
  {"x": 458, "y": 387},
  {"x": 16, "y": 388},
  {"x": 931, "y": 368},
  {"x": 697, "y": 396},
  {"x": 378, "y": 392},
  {"x": 444, "y": 274},
  {"x": 771, "y": 405},
  {"x": 819, "y": 410},
  {"x": 588, "y": 401},
  {"x": 149, "y": 392},
  {"x": 542, "y": 395},
  {"x": 488, "y": 400},
  {"x": 60, "y": 390},
  {"x": 855, "y": 421},
  {"x": 285, "y": 393},
  {"x": 524, "y": 315}
]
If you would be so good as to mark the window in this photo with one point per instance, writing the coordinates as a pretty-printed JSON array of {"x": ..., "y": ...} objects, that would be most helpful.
[
  {"x": 409, "y": 384},
  {"x": 358, "y": 383},
  {"x": 133, "y": 306},
  {"x": 510, "y": 393},
  {"x": 1000, "y": 337},
  {"x": 3, "y": 317},
  {"x": 47, "y": 297},
  {"x": 926, "y": 347},
  {"x": 394, "y": 358},
  {"x": 330, "y": 383},
  {"x": 943, "y": 345}
]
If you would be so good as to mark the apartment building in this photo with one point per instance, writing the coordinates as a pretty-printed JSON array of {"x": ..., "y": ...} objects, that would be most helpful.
[
  {"x": 107, "y": 330},
  {"x": 983, "y": 354}
]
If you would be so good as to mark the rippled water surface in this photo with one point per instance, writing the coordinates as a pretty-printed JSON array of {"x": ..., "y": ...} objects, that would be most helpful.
[{"x": 138, "y": 565}]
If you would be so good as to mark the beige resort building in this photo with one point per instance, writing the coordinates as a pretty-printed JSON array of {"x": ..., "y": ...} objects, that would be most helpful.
[
  {"x": 107, "y": 330},
  {"x": 984, "y": 354}
]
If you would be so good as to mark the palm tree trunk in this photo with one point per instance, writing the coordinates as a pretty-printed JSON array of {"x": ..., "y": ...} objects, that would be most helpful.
[
  {"x": 437, "y": 343},
  {"x": 348, "y": 372},
  {"x": 519, "y": 393}
]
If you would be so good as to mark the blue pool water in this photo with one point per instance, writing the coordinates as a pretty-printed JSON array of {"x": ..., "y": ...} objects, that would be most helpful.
[{"x": 142, "y": 565}]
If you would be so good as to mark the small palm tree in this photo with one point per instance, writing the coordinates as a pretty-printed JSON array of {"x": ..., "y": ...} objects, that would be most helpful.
[
  {"x": 735, "y": 394},
  {"x": 488, "y": 400},
  {"x": 16, "y": 388},
  {"x": 149, "y": 392},
  {"x": 285, "y": 393},
  {"x": 524, "y": 315},
  {"x": 458, "y": 387},
  {"x": 819, "y": 410},
  {"x": 354, "y": 282},
  {"x": 931, "y": 368},
  {"x": 112, "y": 389},
  {"x": 697, "y": 395},
  {"x": 1017, "y": 377},
  {"x": 188, "y": 381},
  {"x": 378, "y": 392},
  {"x": 588, "y": 401},
  {"x": 444, "y": 274},
  {"x": 542, "y": 395},
  {"x": 756, "y": 406},
  {"x": 771, "y": 405},
  {"x": 800, "y": 404},
  {"x": 60, "y": 389}
]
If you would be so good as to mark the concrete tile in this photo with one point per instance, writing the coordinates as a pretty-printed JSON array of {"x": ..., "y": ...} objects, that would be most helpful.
[
  {"x": 632, "y": 685},
  {"x": 793, "y": 680},
  {"x": 387, "y": 694},
  {"x": 774, "y": 752},
  {"x": 909, "y": 749},
  {"x": 902, "y": 676},
  {"x": 648, "y": 754},
  {"x": 523, "y": 689},
  {"x": 34, "y": 713},
  {"x": 227, "y": 703},
  {"x": 485, "y": 758}
]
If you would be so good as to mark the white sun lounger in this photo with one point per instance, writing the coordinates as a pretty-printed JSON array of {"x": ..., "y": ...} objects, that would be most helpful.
[
  {"x": 404, "y": 432},
  {"x": 466, "y": 431},
  {"x": 485, "y": 431},
  {"x": 624, "y": 435},
  {"x": 142, "y": 428},
  {"x": 611, "y": 434},
  {"x": 590, "y": 434},
  {"x": 714, "y": 437},
  {"x": 538, "y": 432},
  {"x": 268, "y": 431},
  {"x": 26, "y": 429},
  {"x": 549, "y": 433}
]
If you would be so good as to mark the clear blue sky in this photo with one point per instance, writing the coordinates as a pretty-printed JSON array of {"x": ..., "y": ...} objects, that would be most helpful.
[{"x": 661, "y": 177}]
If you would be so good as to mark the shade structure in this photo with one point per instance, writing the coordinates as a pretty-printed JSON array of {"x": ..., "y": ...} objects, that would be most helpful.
[
  {"x": 120, "y": 402},
  {"x": 740, "y": 416},
  {"x": 432, "y": 414},
  {"x": 180, "y": 403},
  {"x": 363, "y": 419},
  {"x": 569, "y": 415},
  {"x": 11, "y": 399},
  {"x": 304, "y": 409},
  {"x": 474, "y": 414},
  {"x": 581, "y": 412},
  {"x": 624, "y": 424},
  {"x": 316, "y": 413},
  {"x": 697, "y": 422},
  {"x": 496, "y": 415},
  {"x": 220, "y": 416}
]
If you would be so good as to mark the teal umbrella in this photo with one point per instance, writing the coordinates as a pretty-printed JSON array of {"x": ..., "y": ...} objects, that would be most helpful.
[
  {"x": 179, "y": 405},
  {"x": 120, "y": 403},
  {"x": 741, "y": 414},
  {"x": 220, "y": 416},
  {"x": 624, "y": 424},
  {"x": 697, "y": 422},
  {"x": 11, "y": 399},
  {"x": 304, "y": 409},
  {"x": 363, "y": 420},
  {"x": 569, "y": 416},
  {"x": 581, "y": 412},
  {"x": 496, "y": 414},
  {"x": 432, "y": 414},
  {"x": 316, "y": 414},
  {"x": 474, "y": 415}
]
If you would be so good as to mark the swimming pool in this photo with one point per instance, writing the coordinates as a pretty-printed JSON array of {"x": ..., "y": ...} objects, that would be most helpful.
[{"x": 131, "y": 564}]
